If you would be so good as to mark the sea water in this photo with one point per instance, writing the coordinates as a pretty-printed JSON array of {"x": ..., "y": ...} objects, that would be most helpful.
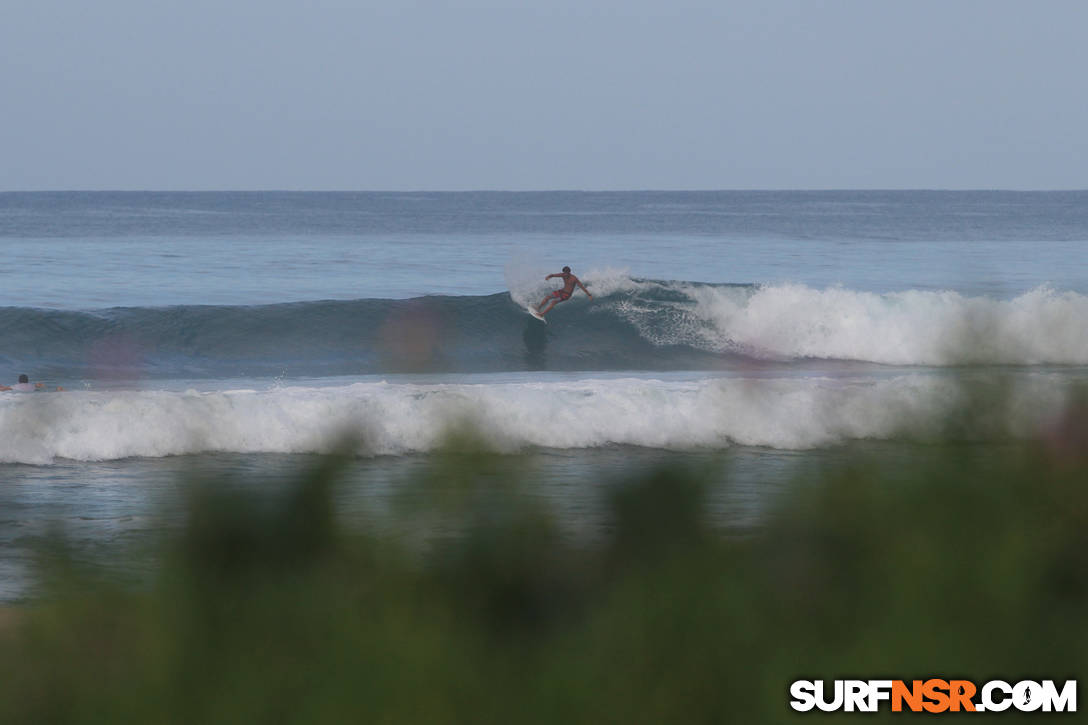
[{"x": 242, "y": 333}]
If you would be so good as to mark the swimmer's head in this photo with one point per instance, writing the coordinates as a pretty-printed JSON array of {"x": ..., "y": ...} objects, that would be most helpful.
[
  {"x": 566, "y": 270},
  {"x": 24, "y": 379}
]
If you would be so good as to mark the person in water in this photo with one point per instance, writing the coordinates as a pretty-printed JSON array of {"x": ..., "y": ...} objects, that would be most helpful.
[
  {"x": 562, "y": 295},
  {"x": 23, "y": 386}
]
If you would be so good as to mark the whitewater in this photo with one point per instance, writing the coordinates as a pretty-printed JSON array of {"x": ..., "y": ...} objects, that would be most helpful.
[
  {"x": 793, "y": 321},
  {"x": 385, "y": 418}
]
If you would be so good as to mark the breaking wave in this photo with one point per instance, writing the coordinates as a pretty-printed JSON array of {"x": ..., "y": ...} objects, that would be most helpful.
[
  {"x": 397, "y": 419},
  {"x": 631, "y": 324}
]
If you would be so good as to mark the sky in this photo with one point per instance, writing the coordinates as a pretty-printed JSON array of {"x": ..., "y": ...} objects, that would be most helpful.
[{"x": 551, "y": 94}]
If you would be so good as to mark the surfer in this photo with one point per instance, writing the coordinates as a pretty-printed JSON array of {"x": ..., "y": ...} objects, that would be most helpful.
[
  {"x": 23, "y": 386},
  {"x": 561, "y": 295}
]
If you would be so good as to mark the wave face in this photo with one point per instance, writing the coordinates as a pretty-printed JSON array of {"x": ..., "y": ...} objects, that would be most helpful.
[
  {"x": 395, "y": 419},
  {"x": 630, "y": 325}
]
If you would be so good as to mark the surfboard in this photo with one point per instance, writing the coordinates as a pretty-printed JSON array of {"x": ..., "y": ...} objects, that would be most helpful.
[{"x": 532, "y": 311}]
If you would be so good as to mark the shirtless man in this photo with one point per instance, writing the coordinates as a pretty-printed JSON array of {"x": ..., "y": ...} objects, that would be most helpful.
[{"x": 562, "y": 295}]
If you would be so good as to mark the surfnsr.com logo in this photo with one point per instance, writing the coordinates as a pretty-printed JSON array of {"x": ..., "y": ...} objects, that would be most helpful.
[{"x": 933, "y": 696}]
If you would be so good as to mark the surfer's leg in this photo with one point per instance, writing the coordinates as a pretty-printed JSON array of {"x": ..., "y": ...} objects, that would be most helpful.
[
  {"x": 551, "y": 296},
  {"x": 544, "y": 312}
]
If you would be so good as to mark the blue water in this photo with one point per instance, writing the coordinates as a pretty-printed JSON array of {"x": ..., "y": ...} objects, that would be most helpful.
[
  {"x": 244, "y": 332},
  {"x": 94, "y": 250}
]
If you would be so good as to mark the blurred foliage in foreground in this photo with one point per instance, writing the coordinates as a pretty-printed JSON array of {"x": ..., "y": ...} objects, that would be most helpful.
[{"x": 269, "y": 612}]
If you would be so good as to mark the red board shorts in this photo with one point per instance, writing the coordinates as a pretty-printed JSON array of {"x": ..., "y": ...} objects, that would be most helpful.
[{"x": 563, "y": 295}]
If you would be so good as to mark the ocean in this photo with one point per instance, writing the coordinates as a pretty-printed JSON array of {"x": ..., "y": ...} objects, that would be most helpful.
[{"x": 241, "y": 334}]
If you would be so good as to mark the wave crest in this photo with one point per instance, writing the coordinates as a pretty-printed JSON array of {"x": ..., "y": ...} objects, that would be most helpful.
[{"x": 901, "y": 328}]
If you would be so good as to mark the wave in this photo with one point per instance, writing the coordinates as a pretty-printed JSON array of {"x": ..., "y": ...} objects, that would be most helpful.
[
  {"x": 631, "y": 324},
  {"x": 915, "y": 327},
  {"x": 396, "y": 419}
]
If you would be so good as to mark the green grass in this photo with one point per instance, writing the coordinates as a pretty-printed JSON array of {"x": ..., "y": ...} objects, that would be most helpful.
[{"x": 266, "y": 611}]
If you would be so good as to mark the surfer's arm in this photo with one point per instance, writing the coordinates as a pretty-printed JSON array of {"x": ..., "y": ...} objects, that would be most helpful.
[
  {"x": 4, "y": 387},
  {"x": 579, "y": 282},
  {"x": 552, "y": 275}
]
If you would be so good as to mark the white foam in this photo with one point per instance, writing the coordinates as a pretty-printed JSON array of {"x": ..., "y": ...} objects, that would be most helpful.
[
  {"x": 609, "y": 280},
  {"x": 915, "y": 327},
  {"x": 791, "y": 413}
]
